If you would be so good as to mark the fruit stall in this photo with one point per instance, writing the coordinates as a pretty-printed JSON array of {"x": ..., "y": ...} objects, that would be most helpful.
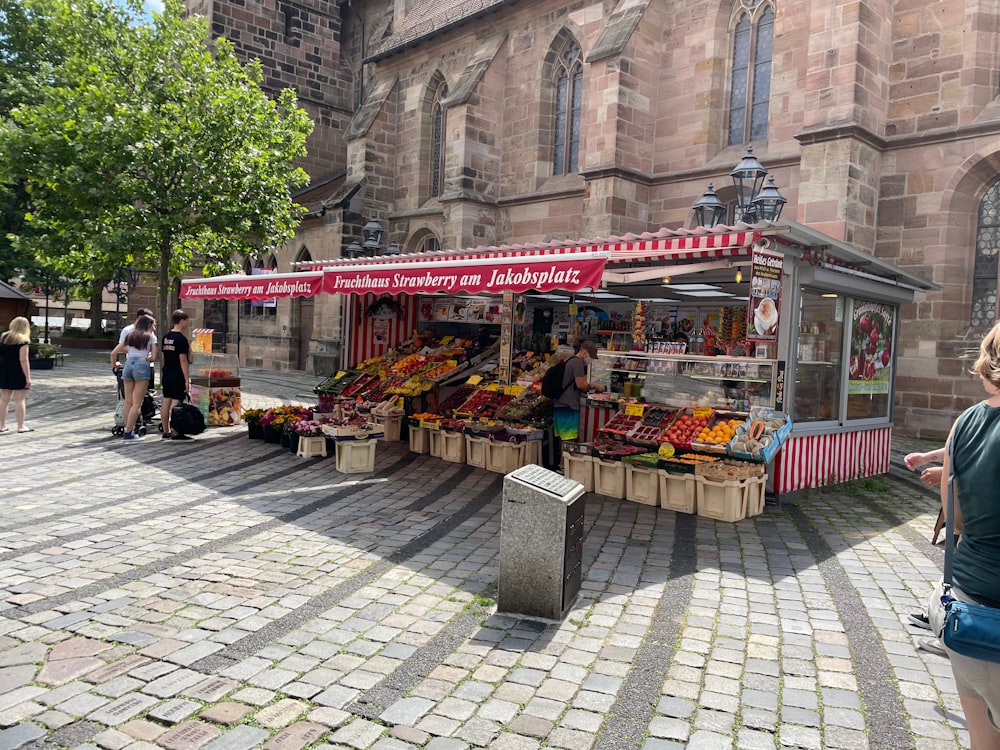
[{"x": 736, "y": 319}]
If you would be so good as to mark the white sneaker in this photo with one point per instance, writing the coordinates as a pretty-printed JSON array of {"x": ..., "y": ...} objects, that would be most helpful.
[{"x": 932, "y": 646}]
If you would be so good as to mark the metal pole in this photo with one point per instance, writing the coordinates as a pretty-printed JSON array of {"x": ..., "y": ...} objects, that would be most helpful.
[{"x": 46, "y": 312}]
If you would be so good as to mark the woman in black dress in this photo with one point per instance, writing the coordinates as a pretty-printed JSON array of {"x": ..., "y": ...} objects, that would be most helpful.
[{"x": 15, "y": 376}]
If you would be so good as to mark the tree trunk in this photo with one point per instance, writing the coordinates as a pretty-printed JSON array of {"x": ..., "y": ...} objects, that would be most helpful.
[
  {"x": 96, "y": 307},
  {"x": 163, "y": 290}
]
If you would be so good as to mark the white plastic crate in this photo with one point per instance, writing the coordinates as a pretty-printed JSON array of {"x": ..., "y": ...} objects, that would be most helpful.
[
  {"x": 579, "y": 469},
  {"x": 642, "y": 485},
  {"x": 356, "y": 456},
  {"x": 533, "y": 452},
  {"x": 609, "y": 478},
  {"x": 677, "y": 491},
  {"x": 453, "y": 447},
  {"x": 475, "y": 451},
  {"x": 504, "y": 457},
  {"x": 392, "y": 425},
  {"x": 434, "y": 443},
  {"x": 755, "y": 495},
  {"x": 723, "y": 501},
  {"x": 419, "y": 440}
]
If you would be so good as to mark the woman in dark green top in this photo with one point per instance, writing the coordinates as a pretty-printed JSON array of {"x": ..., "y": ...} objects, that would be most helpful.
[{"x": 975, "y": 451}]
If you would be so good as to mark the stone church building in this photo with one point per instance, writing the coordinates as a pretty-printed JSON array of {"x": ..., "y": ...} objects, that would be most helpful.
[{"x": 460, "y": 123}]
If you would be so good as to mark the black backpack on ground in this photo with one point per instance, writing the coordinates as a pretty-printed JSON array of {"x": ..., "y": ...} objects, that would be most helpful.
[
  {"x": 187, "y": 419},
  {"x": 552, "y": 381}
]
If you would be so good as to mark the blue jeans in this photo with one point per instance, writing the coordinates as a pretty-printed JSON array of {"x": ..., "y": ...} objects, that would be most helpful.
[{"x": 136, "y": 369}]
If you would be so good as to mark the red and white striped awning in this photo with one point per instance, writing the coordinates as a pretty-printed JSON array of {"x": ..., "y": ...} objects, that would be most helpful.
[{"x": 240, "y": 286}]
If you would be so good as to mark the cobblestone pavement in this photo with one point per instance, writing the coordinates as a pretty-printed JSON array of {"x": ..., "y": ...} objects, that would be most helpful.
[{"x": 225, "y": 594}]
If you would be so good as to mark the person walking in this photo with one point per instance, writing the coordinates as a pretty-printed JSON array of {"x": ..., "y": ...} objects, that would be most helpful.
[
  {"x": 176, "y": 375},
  {"x": 974, "y": 449},
  {"x": 141, "y": 312},
  {"x": 15, "y": 374},
  {"x": 566, "y": 412},
  {"x": 140, "y": 348}
]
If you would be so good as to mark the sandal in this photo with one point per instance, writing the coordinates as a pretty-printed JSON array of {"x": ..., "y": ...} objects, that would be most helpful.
[
  {"x": 27, "y": 429},
  {"x": 4, "y": 429}
]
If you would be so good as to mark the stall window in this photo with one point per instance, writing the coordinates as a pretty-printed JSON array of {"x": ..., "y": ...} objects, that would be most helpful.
[
  {"x": 818, "y": 370},
  {"x": 869, "y": 381}
]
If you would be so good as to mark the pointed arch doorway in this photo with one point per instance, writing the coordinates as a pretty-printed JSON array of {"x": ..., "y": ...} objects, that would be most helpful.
[{"x": 304, "y": 311}]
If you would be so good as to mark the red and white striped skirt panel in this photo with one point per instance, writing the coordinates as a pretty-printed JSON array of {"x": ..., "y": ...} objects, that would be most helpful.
[{"x": 818, "y": 460}]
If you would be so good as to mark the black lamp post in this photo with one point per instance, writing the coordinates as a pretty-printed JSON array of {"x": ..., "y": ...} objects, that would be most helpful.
[
  {"x": 754, "y": 201},
  {"x": 118, "y": 287}
]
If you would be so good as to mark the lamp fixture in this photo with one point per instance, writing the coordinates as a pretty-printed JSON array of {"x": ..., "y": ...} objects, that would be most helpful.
[
  {"x": 372, "y": 232},
  {"x": 739, "y": 275},
  {"x": 666, "y": 280},
  {"x": 354, "y": 250},
  {"x": 755, "y": 201}
]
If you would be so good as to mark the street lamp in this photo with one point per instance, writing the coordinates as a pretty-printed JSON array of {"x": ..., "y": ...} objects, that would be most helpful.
[
  {"x": 754, "y": 201},
  {"x": 353, "y": 250},
  {"x": 373, "y": 236},
  {"x": 708, "y": 209}
]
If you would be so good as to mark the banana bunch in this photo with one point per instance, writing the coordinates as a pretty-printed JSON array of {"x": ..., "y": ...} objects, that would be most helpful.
[{"x": 412, "y": 386}]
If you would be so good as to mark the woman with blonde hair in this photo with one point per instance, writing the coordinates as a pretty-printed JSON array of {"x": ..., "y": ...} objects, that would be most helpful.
[
  {"x": 973, "y": 449},
  {"x": 140, "y": 348},
  {"x": 15, "y": 375}
]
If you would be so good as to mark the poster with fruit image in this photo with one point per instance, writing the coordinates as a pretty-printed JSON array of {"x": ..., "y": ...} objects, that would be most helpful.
[{"x": 871, "y": 349}]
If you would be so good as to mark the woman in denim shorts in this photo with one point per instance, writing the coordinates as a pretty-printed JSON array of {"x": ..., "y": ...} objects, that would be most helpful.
[{"x": 140, "y": 349}]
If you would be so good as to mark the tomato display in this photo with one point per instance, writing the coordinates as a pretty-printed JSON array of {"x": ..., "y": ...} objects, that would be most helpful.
[{"x": 684, "y": 429}]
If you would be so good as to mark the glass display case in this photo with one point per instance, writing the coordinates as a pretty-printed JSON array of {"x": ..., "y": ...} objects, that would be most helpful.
[{"x": 679, "y": 380}]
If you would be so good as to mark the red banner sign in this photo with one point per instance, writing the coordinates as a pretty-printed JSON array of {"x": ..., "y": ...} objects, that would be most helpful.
[
  {"x": 480, "y": 276},
  {"x": 253, "y": 287}
]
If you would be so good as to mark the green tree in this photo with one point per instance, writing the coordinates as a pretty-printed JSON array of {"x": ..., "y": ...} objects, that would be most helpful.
[{"x": 146, "y": 145}]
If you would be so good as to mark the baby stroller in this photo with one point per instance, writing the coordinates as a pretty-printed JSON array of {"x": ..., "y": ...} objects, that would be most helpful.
[{"x": 147, "y": 413}]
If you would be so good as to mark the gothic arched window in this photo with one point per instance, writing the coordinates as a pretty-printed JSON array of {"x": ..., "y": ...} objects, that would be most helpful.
[
  {"x": 437, "y": 139},
  {"x": 750, "y": 82},
  {"x": 568, "y": 82},
  {"x": 984, "y": 269}
]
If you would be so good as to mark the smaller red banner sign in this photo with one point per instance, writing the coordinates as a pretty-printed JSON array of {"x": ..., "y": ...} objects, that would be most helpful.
[
  {"x": 253, "y": 287},
  {"x": 505, "y": 274}
]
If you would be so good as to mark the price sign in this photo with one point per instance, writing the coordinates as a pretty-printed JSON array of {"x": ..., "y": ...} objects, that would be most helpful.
[
  {"x": 513, "y": 390},
  {"x": 475, "y": 380},
  {"x": 446, "y": 340},
  {"x": 702, "y": 411},
  {"x": 453, "y": 363},
  {"x": 339, "y": 375},
  {"x": 634, "y": 410},
  {"x": 529, "y": 355},
  {"x": 493, "y": 388}
]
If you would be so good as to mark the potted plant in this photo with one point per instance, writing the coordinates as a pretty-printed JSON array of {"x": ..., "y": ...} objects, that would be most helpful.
[
  {"x": 42, "y": 356},
  {"x": 255, "y": 430}
]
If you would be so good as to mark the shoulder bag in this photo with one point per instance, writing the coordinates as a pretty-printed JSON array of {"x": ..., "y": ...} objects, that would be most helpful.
[{"x": 971, "y": 630}]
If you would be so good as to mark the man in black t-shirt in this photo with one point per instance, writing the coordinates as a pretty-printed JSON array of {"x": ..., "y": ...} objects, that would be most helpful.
[{"x": 176, "y": 376}]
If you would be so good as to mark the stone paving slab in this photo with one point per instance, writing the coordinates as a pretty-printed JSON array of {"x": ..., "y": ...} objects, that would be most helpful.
[{"x": 242, "y": 597}]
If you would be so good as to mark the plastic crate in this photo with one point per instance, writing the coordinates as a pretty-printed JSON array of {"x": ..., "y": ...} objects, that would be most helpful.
[
  {"x": 580, "y": 469},
  {"x": 755, "y": 495},
  {"x": 723, "y": 501},
  {"x": 356, "y": 456},
  {"x": 642, "y": 485},
  {"x": 677, "y": 491},
  {"x": 533, "y": 452},
  {"x": 420, "y": 440},
  {"x": 504, "y": 457},
  {"x": 392, "y": 425},
  {"x": 434, "y": 443},
  {"x": 609, "y": 478},
  {"x": 475, "y": 451},
  {"x": 453, "y": 447}
]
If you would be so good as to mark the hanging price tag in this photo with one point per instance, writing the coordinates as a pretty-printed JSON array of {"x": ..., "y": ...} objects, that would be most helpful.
[
  {"x": 400, "y": 402},
  {"x": 475, "y": 380},
  {"x": 573, "y": 310},
  {"x": 634, "y": 410}
]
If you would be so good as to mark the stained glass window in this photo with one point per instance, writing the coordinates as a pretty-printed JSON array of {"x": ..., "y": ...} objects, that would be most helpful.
[
  {"x": 985, "y": 267},
  {"x": 750, "y": 81},
  {"x": 437, "y": 137},
  {"x": 569, "y": 98}
]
